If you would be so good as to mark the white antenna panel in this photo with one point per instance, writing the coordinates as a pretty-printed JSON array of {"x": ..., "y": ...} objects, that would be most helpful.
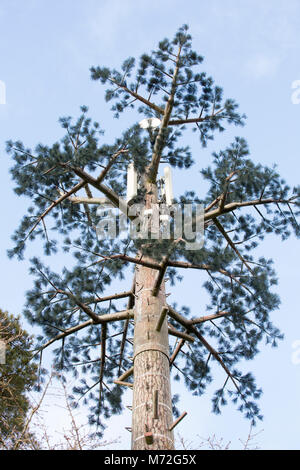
[
  {"x": 168, "y": 186},
  {"x": 150, "y": 122},
  {"x": 131, "y": 182}
]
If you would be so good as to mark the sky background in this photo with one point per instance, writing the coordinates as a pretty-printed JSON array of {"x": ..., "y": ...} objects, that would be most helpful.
[{"x": 251, "y": 48}]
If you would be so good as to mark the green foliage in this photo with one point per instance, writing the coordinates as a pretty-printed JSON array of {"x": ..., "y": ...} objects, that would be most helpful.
[
  {"x": 196, "y": 93},
  {"x": 236, "y": 282},
  {"x": 18, "y": 376}
]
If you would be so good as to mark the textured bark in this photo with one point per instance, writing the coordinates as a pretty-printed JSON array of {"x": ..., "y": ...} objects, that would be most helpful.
[
  {"x": 151, "y": 368},
  {"x": 152, "y": 402}
]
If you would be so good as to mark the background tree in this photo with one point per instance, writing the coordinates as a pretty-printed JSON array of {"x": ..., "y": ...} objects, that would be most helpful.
[
  {"x": 17, "y": 377},
  {"x": 244, "y": 202}
]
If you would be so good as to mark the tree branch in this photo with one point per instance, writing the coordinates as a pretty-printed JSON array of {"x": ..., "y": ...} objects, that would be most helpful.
[
  {"x": 102, "y": 366},
  {"x": 163, "y": 268},
  {"x": 129, "y": 259},
  {"x": 109, "y": 193},
  {"x": 65, "y": 334},
  {"x": 213, "y": 352},
  {"x": 139, "y": 97},
  {"x": 177, "y": 350},
  {"x": 180, "y": 334},
  {"x": 196, "y": 321},
  {"x": 153, "y": 167},
  {"x": 179, "y": 122},
  {"x": 103, "y": 320},
  {"x": 78, "y": 186},
  {"x": 236, "y": 205},
  {"x": 230, "y": 242},
  {"x": 54, "y": 204},
  {"x": 88, "y": 200},
  {"x": 130, "y": 305}
]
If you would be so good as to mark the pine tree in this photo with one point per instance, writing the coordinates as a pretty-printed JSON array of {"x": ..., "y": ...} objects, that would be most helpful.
[
  {"x": 17, "y": 377},
  {"x": 245, "y": 201}
]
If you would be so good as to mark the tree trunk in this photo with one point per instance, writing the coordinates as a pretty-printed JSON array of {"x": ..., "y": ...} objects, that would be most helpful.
[{"x": 152, "y": 402}]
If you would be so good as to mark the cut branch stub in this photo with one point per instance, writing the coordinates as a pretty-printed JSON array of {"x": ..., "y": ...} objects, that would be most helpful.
[
  {"x": 162, "y": 317},
  {"x": 177, "y": 350},
  {"x": 155, "y": 404},
  {"x": 125, "y": 384},
  {"x": 178, "y": 421},
  {"x": 125, "y": 375},
  {"x": 148, "y": 437},
  {"x": 181, "y": 334}
]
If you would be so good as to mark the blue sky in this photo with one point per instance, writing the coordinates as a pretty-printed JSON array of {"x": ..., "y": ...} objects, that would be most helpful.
[{"x": 251, "y": 48}]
